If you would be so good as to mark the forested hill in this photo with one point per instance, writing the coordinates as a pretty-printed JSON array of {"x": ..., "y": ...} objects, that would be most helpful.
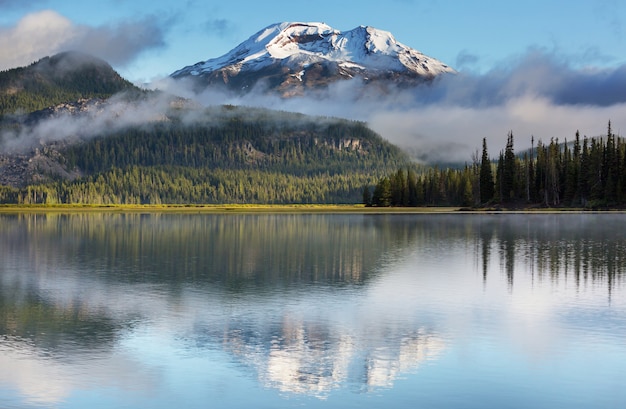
[
  {"x": 71, "y": 132},
  {"x": 242, "y": 138},
  {"x": 58, "y": 79},
  {"x": 217, "y": 155}
]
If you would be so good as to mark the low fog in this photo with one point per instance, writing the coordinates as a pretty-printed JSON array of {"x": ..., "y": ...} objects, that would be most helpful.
[
  {"x": 539, "y": 93},
  {"x": 536, "y": 95},
  {"x": 90, "y": 119}
]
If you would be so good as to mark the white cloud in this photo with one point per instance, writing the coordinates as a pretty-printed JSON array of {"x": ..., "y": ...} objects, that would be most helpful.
[
  {"x": 34, "y": 36},
  {"x": 46, "y": 33},
  {"x": 537, "y": 94},
  {"x": 445, "y": 133}
]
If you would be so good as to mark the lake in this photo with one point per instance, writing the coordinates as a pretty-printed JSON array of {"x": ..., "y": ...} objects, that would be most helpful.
[{"x": 114, "y": 310}]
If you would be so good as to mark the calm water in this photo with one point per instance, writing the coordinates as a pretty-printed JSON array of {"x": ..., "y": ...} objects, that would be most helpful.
[{"x": 312, "y": 311}]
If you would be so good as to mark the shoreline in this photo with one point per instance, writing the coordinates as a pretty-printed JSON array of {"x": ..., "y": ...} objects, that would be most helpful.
[
  {"x": 280, "y": 208},
  {"x": 222, "y": 208}
]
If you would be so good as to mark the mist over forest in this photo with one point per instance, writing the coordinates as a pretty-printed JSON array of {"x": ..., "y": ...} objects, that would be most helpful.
[
  {"x": 538, "y": 97},
  {"x": 537, "y": 94}
]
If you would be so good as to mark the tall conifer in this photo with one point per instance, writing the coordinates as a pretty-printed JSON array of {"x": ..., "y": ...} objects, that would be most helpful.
[{"x": 487, "y": 190}]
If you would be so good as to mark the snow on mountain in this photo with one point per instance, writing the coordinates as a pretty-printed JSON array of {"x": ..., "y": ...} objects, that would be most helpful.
[{"x": 310, "y": 54}]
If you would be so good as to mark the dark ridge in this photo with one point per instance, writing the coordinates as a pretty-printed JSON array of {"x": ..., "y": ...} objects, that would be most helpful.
[{"x": 64, "y": 77}]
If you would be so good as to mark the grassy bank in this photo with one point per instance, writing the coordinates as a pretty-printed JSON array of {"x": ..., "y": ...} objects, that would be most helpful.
[
  {"x": 235, "y": 208},
  {"x": 295, "y": 208}
]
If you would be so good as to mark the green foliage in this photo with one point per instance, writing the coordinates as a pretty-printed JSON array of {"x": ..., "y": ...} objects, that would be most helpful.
[
  {"x": 9, "y": 194},
  {"x": 508, "y": 189},
  {"x": 367, "y": 196},
  {"x": 303, "y": 148},
  {"x": 54, "y": 80},
  {"x": 184, "y": 185},
  {"x": 254, "y": 156},
  {"x": 554, "y": 175},
  {"x": 487, "y": 190},
  {"x": 382, "y": 193},
  {"x": 269, "y": 158}
]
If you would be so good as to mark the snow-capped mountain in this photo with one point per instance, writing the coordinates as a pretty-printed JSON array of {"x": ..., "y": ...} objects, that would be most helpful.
[{"x": 294, "y": 57}]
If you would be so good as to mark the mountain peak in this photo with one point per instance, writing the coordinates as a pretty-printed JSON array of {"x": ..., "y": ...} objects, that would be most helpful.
[{"x": 285, "y": 51}]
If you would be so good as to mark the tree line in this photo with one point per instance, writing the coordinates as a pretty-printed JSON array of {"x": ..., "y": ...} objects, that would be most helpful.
[
  {"x": 184, "y": 185},
  {"x": 266, "y": 159},
  {"x": 586, "y": 172},
  {"x": 302, "y": 148},
  {"x": 245, "y": 161}
]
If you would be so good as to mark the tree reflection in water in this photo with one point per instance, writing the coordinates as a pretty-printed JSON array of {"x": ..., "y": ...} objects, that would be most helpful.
[{"x": 311, "y": 303}]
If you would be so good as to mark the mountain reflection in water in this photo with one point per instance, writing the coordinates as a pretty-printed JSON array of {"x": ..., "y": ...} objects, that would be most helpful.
[{"x": 300, "y": 304}]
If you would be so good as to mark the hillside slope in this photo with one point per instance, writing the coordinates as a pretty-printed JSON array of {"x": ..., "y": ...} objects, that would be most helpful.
[
  {"x": 222, "y": 155},
  {"x": 100, "y": 146},
  {"x": 54, "y": 80}
]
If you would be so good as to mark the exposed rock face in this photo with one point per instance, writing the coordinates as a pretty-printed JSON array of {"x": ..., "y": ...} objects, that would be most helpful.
[
  {"x": 292, "y": 58},
  {"x": 35, "y": 166}
]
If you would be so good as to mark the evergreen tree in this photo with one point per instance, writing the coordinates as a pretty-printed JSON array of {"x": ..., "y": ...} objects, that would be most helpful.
[
  {"x": 486, "y": 176},
  {"x": 412, "y": 183},
  {"x": 367, "y": 196},
  {"x": 399, "y": 189},
  {"x": 508, "y": 171},
  {"x": 382, "y": 193},
  {"x": 499, "y": 175},
  {"x": 551, "y": 186},
  {"x": 532, "y": 186},
  {"x": 583, "y": 174},
  {"x": 467, "y": 197},
  {"x": 595, "y": 181},
  {"x": 610, "y": 168}
]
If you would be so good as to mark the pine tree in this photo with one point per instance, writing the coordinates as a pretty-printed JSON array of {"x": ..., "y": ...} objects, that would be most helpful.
[
  {"x": 412, "y": 182},
  {"x": 610, "y": 168},
  {"x": 553, "y": 172},
  {"x": 464, "y": 187},
  {"x": 367, "y": 196},
  {"x": 499, "y": 177},
  {"x": 486, "y": 176},
  {"x": 508, "y": 171},
  {"x": 583, "y": 174},
  {"x": 532, "y": 186},
  {"x": 399, "y": 189},
  {"x": 382, "y": 193}
]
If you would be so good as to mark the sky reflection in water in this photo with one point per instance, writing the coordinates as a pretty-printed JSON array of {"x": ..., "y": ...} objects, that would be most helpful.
[{"x": 124, "y": 310}]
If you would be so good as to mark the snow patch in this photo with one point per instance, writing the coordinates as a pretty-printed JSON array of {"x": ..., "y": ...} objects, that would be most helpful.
[{"x": 308, "y": 43}]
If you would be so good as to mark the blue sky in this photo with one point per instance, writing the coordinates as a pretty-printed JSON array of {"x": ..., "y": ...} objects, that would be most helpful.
[
  {"x": 539, "y": 68},
  {"x": 144, "y": 39}
]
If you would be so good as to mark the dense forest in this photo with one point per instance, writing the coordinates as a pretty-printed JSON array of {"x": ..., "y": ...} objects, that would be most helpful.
[
  {"x": 246, "y": 156},
  {"x": 54, "y": 80},
  {"x": 280, "y": 142},
  {"x": 587, "y": 173},
  {"x": 256, "y": 161},
  {"x": 183, "y": 185},
  {"x": 185, "y": 155}
]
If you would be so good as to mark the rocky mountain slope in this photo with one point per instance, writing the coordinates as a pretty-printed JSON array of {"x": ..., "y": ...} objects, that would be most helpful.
[{"x": 292, "y": 58}]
